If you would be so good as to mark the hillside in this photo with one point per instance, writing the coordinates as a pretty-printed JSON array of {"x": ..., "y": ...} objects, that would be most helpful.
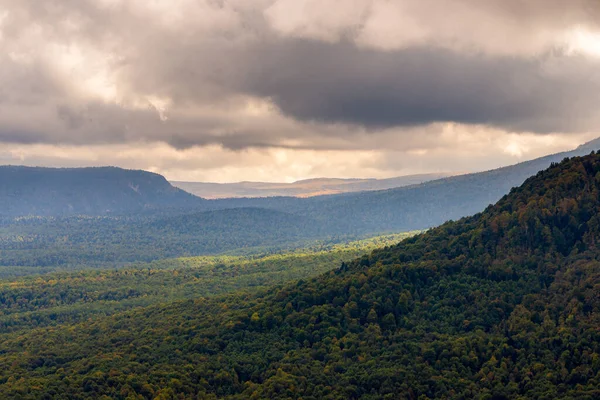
[
  {"x": 504, "y": 304},
  {"x": 413, "y": 207},
  {"x": 303, "y": 188},
  {"x": 90, "y": 191}
]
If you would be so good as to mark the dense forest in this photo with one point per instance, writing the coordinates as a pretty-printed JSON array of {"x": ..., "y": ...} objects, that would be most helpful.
[
  {"x": 108, "y": 240},
  {"x": 504, "y": 304},
  {"x": 53, "y": 298}
]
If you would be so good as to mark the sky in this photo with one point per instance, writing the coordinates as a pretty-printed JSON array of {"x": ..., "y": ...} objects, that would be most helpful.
[{"x": 280, "y": 90}]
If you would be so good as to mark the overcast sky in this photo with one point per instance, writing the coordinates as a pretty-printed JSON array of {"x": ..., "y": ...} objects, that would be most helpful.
[{"x": 279, "y": 90}]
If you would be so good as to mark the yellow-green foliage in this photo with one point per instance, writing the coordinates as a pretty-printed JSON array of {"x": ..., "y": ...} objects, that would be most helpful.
[{"x": 69, "y": 297}]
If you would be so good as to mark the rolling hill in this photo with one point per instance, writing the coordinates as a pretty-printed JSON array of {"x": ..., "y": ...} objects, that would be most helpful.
[
  {"x": 500, "y": 305},
  {"x": 110, "y": 191}
]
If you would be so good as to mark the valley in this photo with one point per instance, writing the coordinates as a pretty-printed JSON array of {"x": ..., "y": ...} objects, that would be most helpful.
[
  {"x": 501, "y": 304},
  {"x": 29, "y": 300}
]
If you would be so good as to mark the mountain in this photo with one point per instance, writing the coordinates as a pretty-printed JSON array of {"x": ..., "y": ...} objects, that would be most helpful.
[
  {"x": 303, "y": 188},
  {"x": 90, "y": 191},
  {"x": 589, "y": 146},
  {"x": 500, "y": 305},
  {"x": 413, "y": 207},
  {"x": 109, "y": 191}
]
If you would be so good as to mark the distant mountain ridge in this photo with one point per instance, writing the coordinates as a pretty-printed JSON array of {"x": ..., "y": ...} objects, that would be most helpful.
[
  {"x": 92, "y": 191},
  {"x": 301, "y": 188},
  {"x": 412, "y": 207},
  {"x": 593, "y": 144},
  {"x": 110, "y": 190}
]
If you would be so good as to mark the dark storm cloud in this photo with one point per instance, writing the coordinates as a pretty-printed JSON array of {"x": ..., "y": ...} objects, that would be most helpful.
[{"x": 328, "y": 83}]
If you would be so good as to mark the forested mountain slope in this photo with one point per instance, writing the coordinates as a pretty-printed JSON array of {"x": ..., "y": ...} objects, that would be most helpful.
[
  {"x": 415, "y": 207},
  {"x": 501, "y": 305},
  {"x": 412, "y": 207},
  {"x": 90, "y": 191}
]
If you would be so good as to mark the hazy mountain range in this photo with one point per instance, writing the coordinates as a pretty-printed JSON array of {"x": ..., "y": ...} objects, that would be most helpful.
[
  {"x": 116, "y": 191},
  {"x": 302, "y": 188}
]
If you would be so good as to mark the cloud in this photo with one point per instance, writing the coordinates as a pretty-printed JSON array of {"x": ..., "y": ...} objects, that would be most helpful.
[
  {"x": 509, "y": 27},
  {"x": 342, "y": 83},
  {"x": 451, "y": 147},
  {"x": 301, "y": 75}
]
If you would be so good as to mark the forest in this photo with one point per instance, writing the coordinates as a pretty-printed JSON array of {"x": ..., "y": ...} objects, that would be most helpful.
[
  {"x": 104, "y": 241},
  {"x": 504, "y": 304},
  {"x": 35, "y": 300}
]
